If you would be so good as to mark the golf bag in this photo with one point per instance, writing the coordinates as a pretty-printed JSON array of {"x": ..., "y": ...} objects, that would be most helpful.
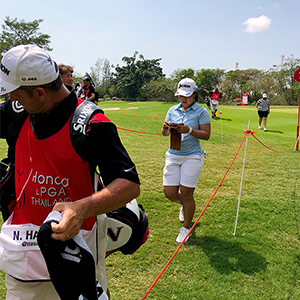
[
  {"x": 7, "y": 188},
  {"x": 127, "y": 228},
  {"x": 207, "y": 101}
]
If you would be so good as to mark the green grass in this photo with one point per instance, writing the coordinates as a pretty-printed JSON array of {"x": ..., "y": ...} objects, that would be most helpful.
[{"x": 262, "y": 261}]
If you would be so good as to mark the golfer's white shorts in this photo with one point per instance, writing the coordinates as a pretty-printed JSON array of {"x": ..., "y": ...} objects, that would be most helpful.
[
  {"x": 214, "y": 104},
  {"x": 182, "y": 170}
]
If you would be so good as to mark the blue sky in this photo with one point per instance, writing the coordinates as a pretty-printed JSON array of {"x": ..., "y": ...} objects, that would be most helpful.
[{"x": 185, "y": 34}]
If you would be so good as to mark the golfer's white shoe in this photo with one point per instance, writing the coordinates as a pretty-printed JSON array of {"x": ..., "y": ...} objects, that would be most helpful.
[
  {"x": 259, "y": 127},
  {"x": 181, "y": 215},
  {"x": 183, "y": 233}
]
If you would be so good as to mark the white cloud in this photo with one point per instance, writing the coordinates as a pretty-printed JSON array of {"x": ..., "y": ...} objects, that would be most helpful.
[{"x": 254, "y": 25}]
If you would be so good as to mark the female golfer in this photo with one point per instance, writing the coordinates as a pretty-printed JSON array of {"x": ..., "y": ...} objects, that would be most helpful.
[
  {"x": 183, "y": 167},
  {"x": 263, "y": 110}
]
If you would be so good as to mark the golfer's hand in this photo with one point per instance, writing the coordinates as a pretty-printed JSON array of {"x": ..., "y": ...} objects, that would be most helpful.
[
  {"x": 165, "y": 129},
  {"x": 166, "y": 125},
  {"x": 70, "y": 223},
  {"x": 182, "y": 128}
]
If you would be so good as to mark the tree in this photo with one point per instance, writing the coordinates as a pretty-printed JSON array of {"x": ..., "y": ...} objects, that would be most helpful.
[
  {"x": 230, "y": 91},
  {"x": 285, "y": 85},
  {"x": 179, "y": 74},
  {"x": 16, "y": 33},
  {"x": 136, "y": 73},
  {"x": 249, "y": 81},
  {"x": 102, "y": 76},
  {"x": 101, "y": 72},
  {"x": 209, "y": 78},
  {"x": 161, "y": 89}
]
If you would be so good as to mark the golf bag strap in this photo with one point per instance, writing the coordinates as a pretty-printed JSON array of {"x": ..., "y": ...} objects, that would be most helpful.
[{"x": 79, "y": 127}]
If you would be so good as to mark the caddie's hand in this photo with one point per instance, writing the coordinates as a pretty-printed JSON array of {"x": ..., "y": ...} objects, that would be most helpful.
[{"x": 70, "y": 223}]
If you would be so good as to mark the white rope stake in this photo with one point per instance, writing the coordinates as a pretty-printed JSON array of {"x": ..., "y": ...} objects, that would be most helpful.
[
  {"x": 221, "y": 126},
  {"x": 241, "y": 186}
]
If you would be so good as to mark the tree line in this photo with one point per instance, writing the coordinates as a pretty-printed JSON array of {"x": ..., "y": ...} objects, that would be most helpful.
[{"x": 143, "y": 79}]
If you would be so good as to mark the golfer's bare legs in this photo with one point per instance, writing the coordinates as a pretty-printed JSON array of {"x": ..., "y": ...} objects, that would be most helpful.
[
  {"x": 185, "y": 197},
  {"x": 265, "y": 122}
]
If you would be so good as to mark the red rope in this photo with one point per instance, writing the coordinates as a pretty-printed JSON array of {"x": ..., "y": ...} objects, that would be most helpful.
[
  {"x": 195, "y": 222},
  {"x": 252, "y": 133},
  {"x": 127, "y": 113},
  {"x": 270, "y": 148},
  {"x": 217, "y": 115},
  {"x": 139, "y": 131},
  {"x": 168, "y": 263}
]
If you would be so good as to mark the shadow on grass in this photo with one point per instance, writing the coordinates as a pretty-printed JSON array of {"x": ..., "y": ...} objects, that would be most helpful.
[
  {"x": 223, "y": 119},
  {"x": 227, "y": 257},
  {"x": 274, "y": 131}
]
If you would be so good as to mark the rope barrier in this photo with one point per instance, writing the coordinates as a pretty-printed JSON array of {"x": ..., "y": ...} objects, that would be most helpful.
[
  {"x": 124, "y": 112},
  {"x": 214, "y": 117},
  {"x": 139, "y": 131},
  {"x": 217, "y": 114},
  {"x": 273, "y": 149},
  {"x": 252, "y": 133},
  {"x": 196, "y": 220},
  {"x": 246, "y": 132}
]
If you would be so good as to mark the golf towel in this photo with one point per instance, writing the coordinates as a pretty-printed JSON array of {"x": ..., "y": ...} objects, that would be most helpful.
[{"x": 70, "y": 264}]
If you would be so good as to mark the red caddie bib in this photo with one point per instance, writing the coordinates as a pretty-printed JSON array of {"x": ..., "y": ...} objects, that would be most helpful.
[
  {"x": 215, "y": 96},
  {"x": 48, "y": 171}
]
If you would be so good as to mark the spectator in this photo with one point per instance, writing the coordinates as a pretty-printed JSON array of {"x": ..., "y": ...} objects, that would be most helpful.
[
  {"x": 89, "y": 90},
  {"x": 66, "y": 73}
]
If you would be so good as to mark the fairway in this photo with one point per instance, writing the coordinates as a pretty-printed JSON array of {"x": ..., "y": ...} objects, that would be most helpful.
[{"x": 262, "y": 260}]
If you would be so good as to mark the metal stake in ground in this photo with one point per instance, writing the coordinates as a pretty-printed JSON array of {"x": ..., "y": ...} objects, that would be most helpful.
[
  {"x": 241, "y": 186},
  {"x": 221, "y": 125}
]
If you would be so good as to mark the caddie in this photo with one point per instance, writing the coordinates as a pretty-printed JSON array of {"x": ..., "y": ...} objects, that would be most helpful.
[{"x": 50, "y": 175}]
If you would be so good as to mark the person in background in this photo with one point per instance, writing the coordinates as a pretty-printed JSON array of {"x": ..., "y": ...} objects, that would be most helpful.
[
  {"x": 50, "y": 175},
  {"x": 76, "y": 87},
  {"x": 66, "y": 73},
  {"x": 79, "y": 89},
  {"x": 263, "y": 110},
  {"x": 89, "y": 90},
  {"x": 183, "y": 167},
  {"x": 215, "y": 95}
]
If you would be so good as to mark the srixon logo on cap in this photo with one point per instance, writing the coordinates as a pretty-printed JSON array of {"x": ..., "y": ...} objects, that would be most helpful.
[{"x": 4, "y": 69}]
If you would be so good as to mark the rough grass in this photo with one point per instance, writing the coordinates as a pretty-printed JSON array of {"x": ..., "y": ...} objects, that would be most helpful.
[{"x": 262, "y": 260}]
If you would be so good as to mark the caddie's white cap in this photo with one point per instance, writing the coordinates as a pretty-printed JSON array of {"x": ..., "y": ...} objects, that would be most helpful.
[
  {"x": 186, "y": 87},
  {"x": 26, "y": 65},
  {"x": 265, "y": 96}
]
